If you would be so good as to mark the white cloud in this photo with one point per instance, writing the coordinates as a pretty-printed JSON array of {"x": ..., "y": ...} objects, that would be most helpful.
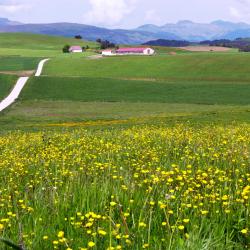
[
  {"x": 235, "y": 12},
  {"x": 109, "y": 12},
  {"x": 12, "y": 6},
  {"x": 153, "y": 17}
]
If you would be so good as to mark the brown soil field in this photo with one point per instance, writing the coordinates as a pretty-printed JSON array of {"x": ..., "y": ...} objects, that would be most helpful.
[
  {"x": 19, "y": 73},
  {"x": 206, "y": 48}
]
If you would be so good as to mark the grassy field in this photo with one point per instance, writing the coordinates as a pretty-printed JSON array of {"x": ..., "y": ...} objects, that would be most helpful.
[
  {"x": 44, "y": 115},
  {"x": 126, "y": 152},
  {"x": 6, "y": 84},
  {"x": 38, "y": 42},
  {"x": 150, "y": 187},
  {"x": 17, "y": 63},
  {"x": 30, "y": 45},
  {"x": 112, "y": 90},
  {"x": 192, "y": 66}
]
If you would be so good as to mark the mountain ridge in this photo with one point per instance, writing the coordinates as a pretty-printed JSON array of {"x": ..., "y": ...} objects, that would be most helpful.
[{"x": 182, "y": 30}]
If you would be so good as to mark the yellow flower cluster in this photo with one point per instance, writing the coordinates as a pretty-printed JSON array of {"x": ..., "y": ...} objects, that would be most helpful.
[{"x": 146, "y": 187}]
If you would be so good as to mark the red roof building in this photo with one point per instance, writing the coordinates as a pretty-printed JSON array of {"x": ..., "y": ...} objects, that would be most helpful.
[
  {"x": 75, "y": 49},
  {"x": 145, "y": 51}
]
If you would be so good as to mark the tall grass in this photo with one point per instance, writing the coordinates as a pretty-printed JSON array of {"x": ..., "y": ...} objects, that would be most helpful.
[{"x": 143, "y": 187}]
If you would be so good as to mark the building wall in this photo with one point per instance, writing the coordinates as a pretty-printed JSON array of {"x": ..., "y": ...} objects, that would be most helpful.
[
  {"x": 107, "y": 53},
  {"x": 148, "y": 51},
  {"x": 76, "y": 51}
]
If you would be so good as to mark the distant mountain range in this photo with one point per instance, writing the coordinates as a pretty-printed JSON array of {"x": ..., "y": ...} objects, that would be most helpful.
[
  {"x": 6, "y": 22},
  {"x": 183, "y": 30},
  {"x": 196, "y": 32}
]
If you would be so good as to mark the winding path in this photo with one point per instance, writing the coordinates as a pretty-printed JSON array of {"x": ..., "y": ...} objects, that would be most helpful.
[
  {"x": 40, "y": 67},
  {"x": 14, "y": 94}
]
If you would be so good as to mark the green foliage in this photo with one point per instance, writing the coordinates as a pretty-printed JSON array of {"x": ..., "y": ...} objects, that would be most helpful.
[
  {"x": 11, "y": 244},
  {"x": 66, "y": 48}
]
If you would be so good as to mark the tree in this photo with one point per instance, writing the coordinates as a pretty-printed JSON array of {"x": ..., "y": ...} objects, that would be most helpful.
[
  {"x": 66, "y": 48},
  {"x": 99, "y": 40},
  {"x": 78, "y": 37},
  {"x": 87, "y": 46}
]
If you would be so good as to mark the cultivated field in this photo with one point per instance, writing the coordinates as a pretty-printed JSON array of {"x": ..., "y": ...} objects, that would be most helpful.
[
  {"x": 124, "y": 152},
  {"x": 206, "y": 48}
]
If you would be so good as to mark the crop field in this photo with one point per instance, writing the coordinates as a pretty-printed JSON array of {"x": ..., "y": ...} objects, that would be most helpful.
[{"x": 135, "y": 188}]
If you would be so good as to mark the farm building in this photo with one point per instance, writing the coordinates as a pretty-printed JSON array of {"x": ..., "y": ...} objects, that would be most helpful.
[
  {"x": 108, "y": 52},
  {"x": 135, "y": 51},
  {"x": 75, "y": 49}
]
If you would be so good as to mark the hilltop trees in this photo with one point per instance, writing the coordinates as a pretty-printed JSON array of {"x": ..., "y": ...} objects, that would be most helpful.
[
  {"x": 78, "y": 37},
  {"x": 105, "y": 44}
]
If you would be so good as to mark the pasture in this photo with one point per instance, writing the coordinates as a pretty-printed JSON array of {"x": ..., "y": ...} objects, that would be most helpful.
[
  {"x": 114, "y": 90},
  {"x": 124, "y": 152},
  {"x": 17, "y": 63},
  {"x": 232, "y": 67},
  {"x": 6, "y": 84}
]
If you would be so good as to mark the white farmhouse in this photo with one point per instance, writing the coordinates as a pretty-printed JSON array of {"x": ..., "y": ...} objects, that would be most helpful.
[
  {"x": 75, "y": 49},
  {"x": 108, "y": 52},
  {"x": 135, "y": 51}
]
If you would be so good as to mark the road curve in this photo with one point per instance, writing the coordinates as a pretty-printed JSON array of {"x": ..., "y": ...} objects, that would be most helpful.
[
  {"x": 40, "y": 67},
  {"x": 14, "y": 94}
]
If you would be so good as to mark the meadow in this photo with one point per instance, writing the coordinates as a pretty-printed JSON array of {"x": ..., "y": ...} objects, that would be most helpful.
[
  {"x": 17, "y": 63},
  {"x": 151, "y": 187},
  {"x": 183, "y": 66},
  {"x": 6, "y": 83},
  {"x": 113, "y": 90},
  {"x": 124, "y": 152}
]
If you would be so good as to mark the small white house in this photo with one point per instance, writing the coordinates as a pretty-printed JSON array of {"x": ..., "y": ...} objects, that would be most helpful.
[
  {"x": 75, "y": 49},
  {"x": 108, "y": 52}
]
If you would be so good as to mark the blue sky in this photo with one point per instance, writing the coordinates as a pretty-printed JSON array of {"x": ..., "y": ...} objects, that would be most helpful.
[{"x": 124, "y": 13}]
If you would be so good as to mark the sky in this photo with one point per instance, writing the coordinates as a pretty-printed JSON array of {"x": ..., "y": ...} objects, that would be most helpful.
[{"x": 124, "y": 13}]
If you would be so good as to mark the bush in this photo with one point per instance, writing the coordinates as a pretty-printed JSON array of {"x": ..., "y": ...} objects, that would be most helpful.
[{"x": 66, "y": 49}]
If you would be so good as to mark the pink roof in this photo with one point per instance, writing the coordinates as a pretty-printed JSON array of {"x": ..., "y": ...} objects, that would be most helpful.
[
  {"x": 75, "y": 48},
  {"x": 136, "y": 50}
]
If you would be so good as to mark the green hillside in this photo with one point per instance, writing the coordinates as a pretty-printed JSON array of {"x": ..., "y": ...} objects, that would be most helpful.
[
  {"x": 6, "y": 84},
  {"x": 33, "y": 41},
  {"x": 17, "y": 63},
  {"x": 112, "y": 90},
  {"x": 186, "y": 85},
  {"x": 32, "y": 45},
  {"x": 191, "y": 66}
]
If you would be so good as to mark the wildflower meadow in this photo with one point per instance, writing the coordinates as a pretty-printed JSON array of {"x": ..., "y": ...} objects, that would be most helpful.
[{"x": 145, "y": 187}]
